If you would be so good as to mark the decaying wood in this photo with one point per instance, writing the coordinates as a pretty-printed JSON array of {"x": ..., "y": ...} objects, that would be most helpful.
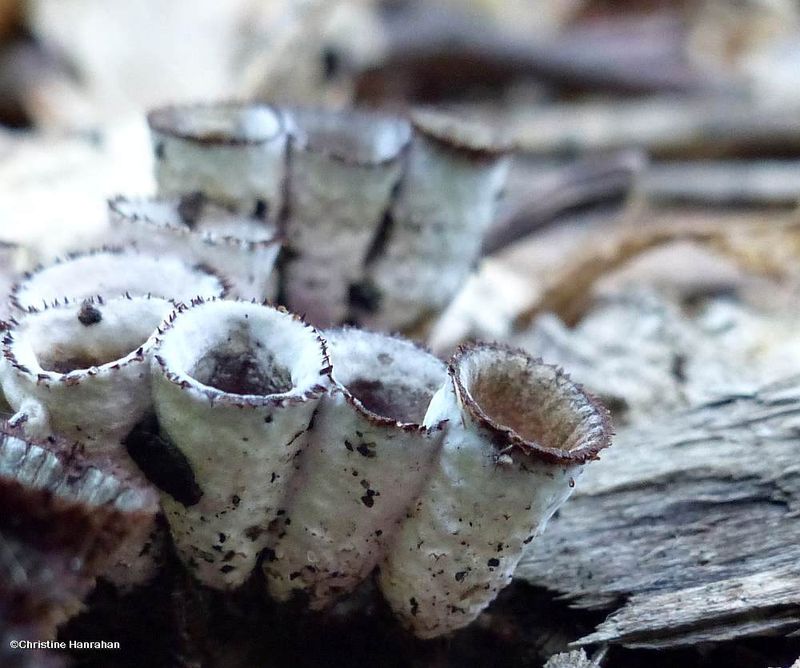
[
  {"x": 687, "y": 527},
  {"x": 589, "y": 181},
  {"x": 575, "y": 659},
  {"x": 434, "y": 53},
  {"x": 663, "y": 126},
  {"x": 761, "y": 244},
  {"x": 727, "y": 183}
]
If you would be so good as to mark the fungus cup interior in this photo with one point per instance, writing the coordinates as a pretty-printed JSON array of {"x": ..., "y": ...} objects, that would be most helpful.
[
  {"x": 390, "y": 377},
  {"x": 219, "y": 123},
  {"x": 111, "y": 274},
  {"x": 360, "y": 137},
  {"x": 79, "y": 336},
  {"x": 242, "y": 348},
  {"x": 535, "y": 400}
]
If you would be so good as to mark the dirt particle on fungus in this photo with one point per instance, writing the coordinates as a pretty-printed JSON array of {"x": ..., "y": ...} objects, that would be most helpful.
[
  {"x": 493, "y": 562},
  {"x": 89, "y": 314},
  {"x": 369, "y": 498},
  {"x": 261, "y": 209},
  {"x": 222, "y": 538},
  {"x": 367, "y": 450},
  {"x": 227, "y": 568},
  {"x": 235, "y": 500},
  {"x": 348, "y": 445},
  {"x": 414, "y": 606},
  {"x": 253, "y": 532},
  {"x": 500, "y": 547},
  {"x": 460, "y": 576},
  {"x": 379, "y": 532}
]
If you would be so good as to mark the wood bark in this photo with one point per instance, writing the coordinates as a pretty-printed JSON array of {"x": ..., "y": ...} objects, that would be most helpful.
[{"x": 687, "y": 529}]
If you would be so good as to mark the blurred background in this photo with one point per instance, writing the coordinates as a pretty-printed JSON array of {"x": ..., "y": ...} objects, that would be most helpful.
[{"x": 657, "y": 142}]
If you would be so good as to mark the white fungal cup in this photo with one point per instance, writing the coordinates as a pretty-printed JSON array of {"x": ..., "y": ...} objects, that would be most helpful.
[
  {"x": 113, "y": 273},
  {"x": 235, "y": 385},
  {"x": 367, "y": 458},
  {"x": 445, "y": 204},
  {"x": 234, "y": 153},
  {"x": 194, "y": 229},
  {"x": 82, "y": 369},
  {"x": 517, "y": 437},
  {"x": 343, "y": 167}
]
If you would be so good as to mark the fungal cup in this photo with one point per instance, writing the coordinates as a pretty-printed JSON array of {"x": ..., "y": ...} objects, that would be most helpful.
[
  {"x": 518, "y": 435},
  {"x": 343, "y": 168},
  {"x": 235, "y": 385},
  {"x": 82, "y": 369},
  {"x": 233, "y": 153},
  {"x": 194, "y": 229},
  {"x": 367, "y": 458}
]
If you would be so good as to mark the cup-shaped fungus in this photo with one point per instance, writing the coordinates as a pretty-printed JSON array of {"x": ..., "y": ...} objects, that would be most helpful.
[
  {"x": 65, "y": 516},
  {"x": 234, "y": 153},
  {"x": 113, "y": 273},
  {"x": 518, "y": 435},
  {"x": 445, "y": 204},
  {"x": 191, "y": 227},
  {"x": 82, "y": 369},
  {"x": 343, "y": 168},
  {"x": 235, "y": 386},
  {"x": 366, "y": 461}
]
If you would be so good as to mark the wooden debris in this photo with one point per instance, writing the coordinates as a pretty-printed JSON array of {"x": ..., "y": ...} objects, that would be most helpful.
[
  {"x": 761, "y": 244},
  {"x": 687, "y": 527},
  {"x": 663, "y": 126},
  {"x": 574, "y": 659}
]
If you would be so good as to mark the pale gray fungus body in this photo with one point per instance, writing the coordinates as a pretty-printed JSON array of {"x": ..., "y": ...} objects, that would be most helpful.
[
  {"x": 235, "y": 385},
  {"x": 367, "y": 458},
  {"x": 518, "y": 435}
]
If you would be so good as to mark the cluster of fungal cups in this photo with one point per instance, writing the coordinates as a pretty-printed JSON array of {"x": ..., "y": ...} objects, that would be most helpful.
[{"x": 305, "y": 461}]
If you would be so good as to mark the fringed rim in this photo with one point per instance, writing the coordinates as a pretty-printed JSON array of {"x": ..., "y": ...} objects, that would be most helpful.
[
  {"x": 371, "y": 416},
  {"x": 318, "y": 131},
  {"x": 225, "y": 286},
  {"x": 168, "y": 120},
  {"x": 40, "y": 376},
  {"x": 592, "y": 421},
  {"x": 459, "y": 135},
  {"x": 217, "y": 396},
  {"x": 118, "y": 204}
]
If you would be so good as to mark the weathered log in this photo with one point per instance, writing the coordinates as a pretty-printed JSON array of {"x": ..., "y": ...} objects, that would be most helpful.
[{"x": 687, "y": 528}]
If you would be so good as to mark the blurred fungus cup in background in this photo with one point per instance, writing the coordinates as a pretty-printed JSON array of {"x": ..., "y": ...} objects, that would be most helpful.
[
  {"x": 343, "y": 168},
  {"x": 518, "y": 435},
  {"x": 82, "y": 369},
  {"x": 448, "y": 197},
  {"x": 110, "y": 273},
  {"x": 235, "y": 385},
  {"x": 234, "y": 153},
  {"x": 197, "y": 231},
  {"x": 384, "y": 218},
  {"x": 367, "y": 457}
]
